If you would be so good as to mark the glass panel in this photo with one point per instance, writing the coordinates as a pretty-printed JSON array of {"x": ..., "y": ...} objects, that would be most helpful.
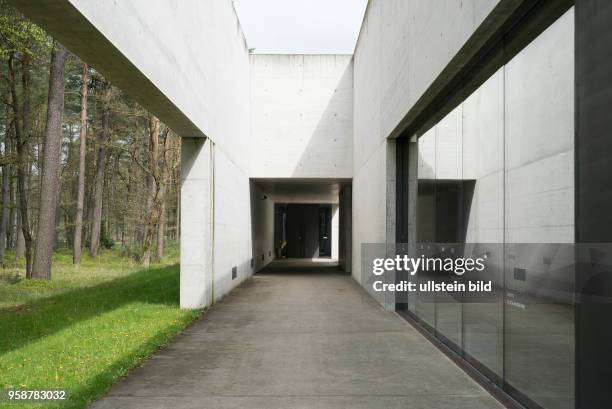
[
  {"x": 539, "y": 208},
  {"x": 483, "y": 139},
  {"x": 540, "y": 323},
  {"x": 424, "y": 306},
  {"x": 483, "y": 320},
  {"x": 449, "y": 218},
  {"x": 496, "y": 172}
]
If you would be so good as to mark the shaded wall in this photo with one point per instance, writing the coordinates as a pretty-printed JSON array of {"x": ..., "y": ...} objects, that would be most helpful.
[
  {"x": 302, "y": 116},
  {"x": 262, "y": 227}
]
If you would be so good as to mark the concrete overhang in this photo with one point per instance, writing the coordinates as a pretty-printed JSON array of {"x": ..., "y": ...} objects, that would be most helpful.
[
  {"x": 308, "y": 190},
  {"x": 69, "y": 26},
  {"x": 466, "y": 70}
]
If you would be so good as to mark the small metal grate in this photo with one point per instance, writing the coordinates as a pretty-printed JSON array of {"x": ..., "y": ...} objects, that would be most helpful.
[{"x": 520, "y": 274}]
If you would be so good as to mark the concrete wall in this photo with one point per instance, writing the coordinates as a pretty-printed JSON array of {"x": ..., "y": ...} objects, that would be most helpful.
[
  {"x": 262, "y": 227},
  {"x": 232, "y": 223},
  {"x": 539, "y": 152},
  {"x": 373, "y": 216},
  {"x": 514, "y": 137},
  {"x": 208, "y": 80},
  {"x": 215, "y": 224},
  {"x": 399, "y": 65},
  {"x": 302, "y": 115},
  {"x": 193, "y": 51},
  {"x": 302, "y": 127},
  {"x": 197, "y": 246},
  {"x": 335, "y": 232},
  {"x": 409, "y": 65},
  {"x": 483, "y": 159},
  {"x": 394, "y": 69}
]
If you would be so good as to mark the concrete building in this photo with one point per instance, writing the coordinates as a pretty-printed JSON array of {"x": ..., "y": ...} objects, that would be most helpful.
[{"x": 474, "y": 121}]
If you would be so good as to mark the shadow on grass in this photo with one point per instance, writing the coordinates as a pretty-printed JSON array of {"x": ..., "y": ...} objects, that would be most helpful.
[
  {"x": 46, "y": 316},
  {"x": 97, "y": 387}
]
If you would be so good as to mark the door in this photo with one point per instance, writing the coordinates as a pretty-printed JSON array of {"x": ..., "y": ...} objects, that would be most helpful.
[{"x": 302, "y": 230}]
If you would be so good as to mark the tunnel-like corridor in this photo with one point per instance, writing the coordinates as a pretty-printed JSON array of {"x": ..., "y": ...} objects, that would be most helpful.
[
  {"x": 295, "y": 218},
  {"x": 300, "y": 334}
]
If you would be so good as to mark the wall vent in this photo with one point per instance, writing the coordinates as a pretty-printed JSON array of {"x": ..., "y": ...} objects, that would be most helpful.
[
  {"x": 234, "y": 272},
  {"x": 520, "y": 274}
]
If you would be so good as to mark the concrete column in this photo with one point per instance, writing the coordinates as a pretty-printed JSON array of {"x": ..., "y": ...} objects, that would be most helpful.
[
  {"x": 335, "y": 231},
  {"x": 196, "y": 223}
]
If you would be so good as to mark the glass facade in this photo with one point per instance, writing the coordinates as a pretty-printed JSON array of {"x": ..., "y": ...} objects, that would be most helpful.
[{"x": 497, "y": 172}]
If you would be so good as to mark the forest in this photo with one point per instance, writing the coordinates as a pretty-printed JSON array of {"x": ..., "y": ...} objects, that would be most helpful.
[{"x": 83, "y": 166}]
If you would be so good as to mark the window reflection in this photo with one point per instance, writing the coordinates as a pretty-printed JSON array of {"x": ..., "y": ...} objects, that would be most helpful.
[{"x": 496, "y": 173}]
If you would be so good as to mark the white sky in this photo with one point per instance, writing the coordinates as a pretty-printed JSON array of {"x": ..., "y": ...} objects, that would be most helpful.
[{"x": 301, "y": 26}]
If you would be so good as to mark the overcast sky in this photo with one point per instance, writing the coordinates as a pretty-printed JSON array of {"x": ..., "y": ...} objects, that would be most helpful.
[{"x": 301, "y": 26}]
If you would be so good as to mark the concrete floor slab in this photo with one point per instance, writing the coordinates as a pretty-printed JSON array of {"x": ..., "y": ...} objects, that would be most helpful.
[{"x": 298, "y": 336}]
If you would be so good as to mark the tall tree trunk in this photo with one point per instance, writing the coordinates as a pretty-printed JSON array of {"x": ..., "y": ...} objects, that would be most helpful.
[
  {"x": 161, "y": 230},
  {"x": 96, "y": 219},
  {"x": 163, "y": 187},
  {"x": 141, "y": 226},
  {"x": 177, "y": 229},
  {"x": 15, "y": 217},
  {"x": 78, "y": 220},
  {"x": 51, "y": 166},
  {"x": 12, "y": 236},
  {"x": 151, "y": 215},
  {"x": 6, "y": 184},
  {"x": 22, "y": 133},
  {"x": 19, "y": 240}
]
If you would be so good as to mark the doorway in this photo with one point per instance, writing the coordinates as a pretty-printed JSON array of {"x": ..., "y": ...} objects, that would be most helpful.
[{"x": 303, "y": 230}]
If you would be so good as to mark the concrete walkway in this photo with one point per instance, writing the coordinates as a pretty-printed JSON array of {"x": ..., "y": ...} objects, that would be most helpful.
[{"x": 298, "y": 336}]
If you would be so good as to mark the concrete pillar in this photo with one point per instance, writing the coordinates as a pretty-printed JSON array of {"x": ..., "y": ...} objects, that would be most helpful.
[
  {"x": 335, "y": 231},
  {"x": 197, "y": 177}
]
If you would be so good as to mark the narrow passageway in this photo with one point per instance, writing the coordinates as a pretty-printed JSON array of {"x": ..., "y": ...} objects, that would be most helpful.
[{"x": 300, "y": 334}]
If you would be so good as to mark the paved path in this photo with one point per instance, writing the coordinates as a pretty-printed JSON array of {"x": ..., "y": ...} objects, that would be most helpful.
[{"x": 296, "y": 337}]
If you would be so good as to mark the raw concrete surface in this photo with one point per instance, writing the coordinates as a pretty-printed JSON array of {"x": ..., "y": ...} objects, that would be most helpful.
[
  {"x": 302, "y": 116},
  {"x": 300, "y": 334}
]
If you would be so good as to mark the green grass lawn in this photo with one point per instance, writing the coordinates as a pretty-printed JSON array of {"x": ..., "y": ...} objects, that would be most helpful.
[{"x": 87, "y": 327}]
